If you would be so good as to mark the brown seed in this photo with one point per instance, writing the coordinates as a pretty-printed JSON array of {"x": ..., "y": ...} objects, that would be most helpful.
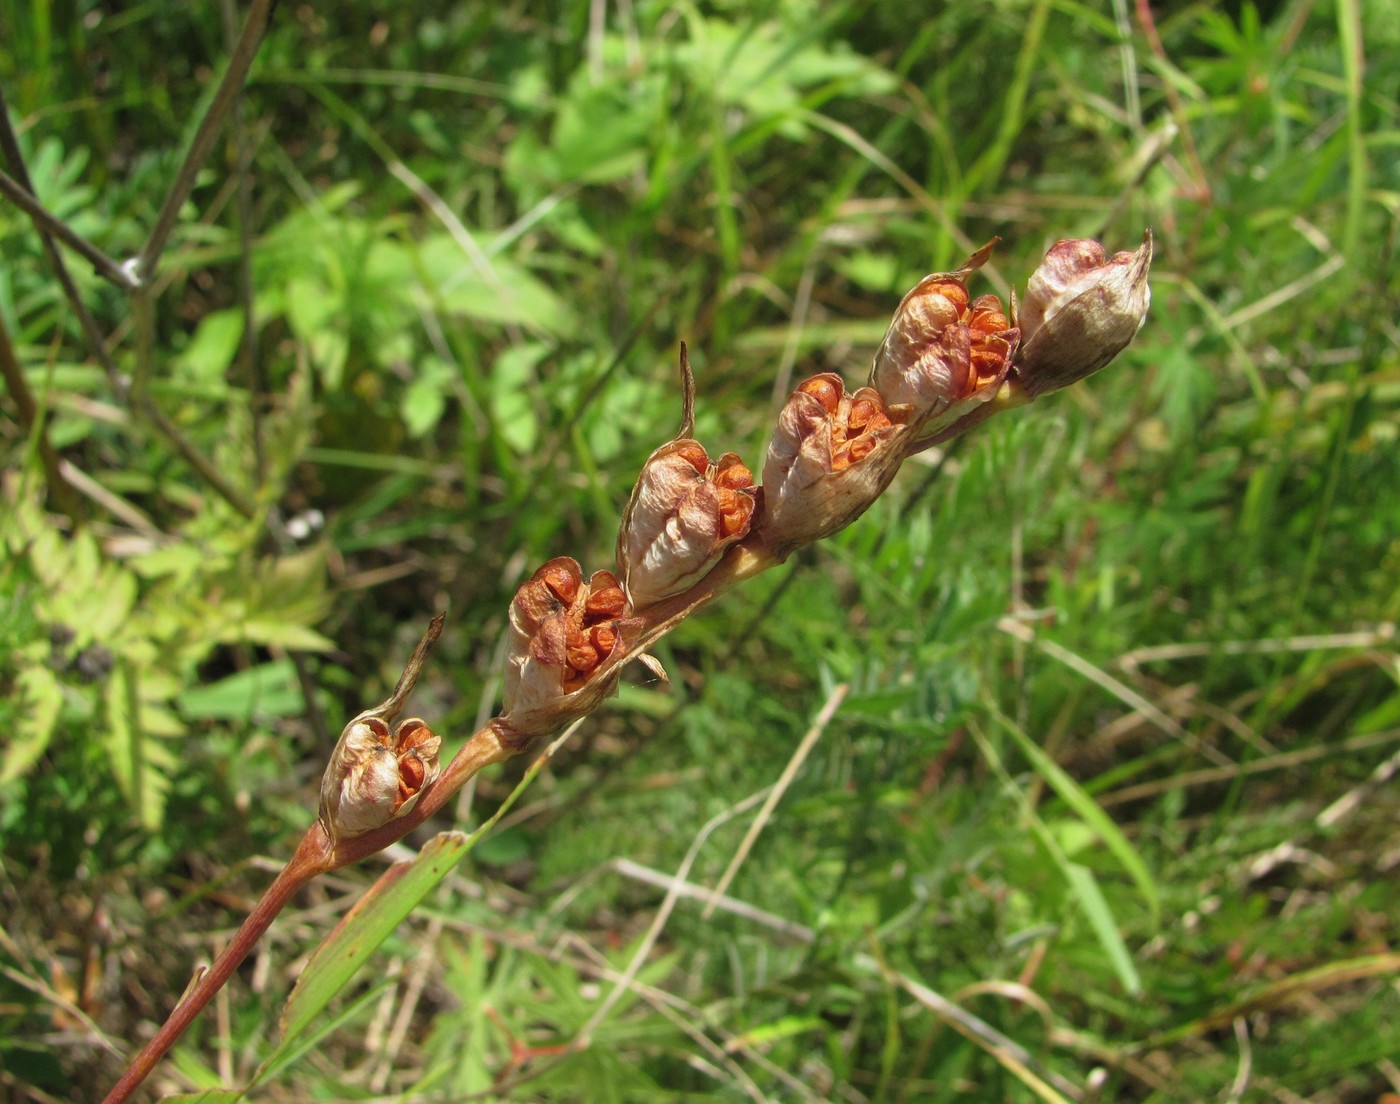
[
  {"x": 862, "y": 411},
  {"x": 940, "y": 303},
  {"x": 412, "y": 773},
  {"x": 861, "y": 447},
  {"x": 987, "y": 316},
  {"x": 734, "y": 511},
  {"x": 578, "y": 651}
]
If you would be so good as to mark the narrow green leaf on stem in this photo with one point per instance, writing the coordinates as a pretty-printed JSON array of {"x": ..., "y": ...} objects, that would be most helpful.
[
  {"x": 364, "y": 927},
  {"x": 371, "y": 920},
  {"x": 1088, "y": 810}
]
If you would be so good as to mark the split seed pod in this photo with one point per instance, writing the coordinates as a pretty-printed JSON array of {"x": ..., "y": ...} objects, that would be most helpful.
[
  {"x": 831, "y": 456},
  {"x": 1082, "y": 308},
  {"x": 944, "y": 353},
  {"x": 563, "y": 633},
  {"x": 684, "y": 512},
  {"x": 375, "y": 775}
]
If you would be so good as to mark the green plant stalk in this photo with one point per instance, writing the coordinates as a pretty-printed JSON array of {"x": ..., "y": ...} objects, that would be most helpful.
[{"x": 225, "y": 99}]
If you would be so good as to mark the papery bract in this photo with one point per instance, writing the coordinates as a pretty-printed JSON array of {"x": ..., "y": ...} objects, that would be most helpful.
[
  {"x": 1081, "y": 309},
  {"x": 831, "y": 456},
  {"x": 683, "y": 513}
]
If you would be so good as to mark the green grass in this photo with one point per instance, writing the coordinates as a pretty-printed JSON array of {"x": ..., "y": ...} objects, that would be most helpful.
[{"x": 477, "y": 235}]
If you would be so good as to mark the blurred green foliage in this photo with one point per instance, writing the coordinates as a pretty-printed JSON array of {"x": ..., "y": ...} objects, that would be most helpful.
[{"x": 475, "y": 235}]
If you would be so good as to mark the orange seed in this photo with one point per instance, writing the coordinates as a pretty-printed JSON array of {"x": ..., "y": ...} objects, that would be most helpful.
[{"x": 824, "y": 391}]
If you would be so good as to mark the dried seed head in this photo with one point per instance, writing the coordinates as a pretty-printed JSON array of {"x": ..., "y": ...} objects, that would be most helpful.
[
  {"x": 942, "y": 353},
  {"x": 559, "y": 649},
  {"x": 683, "y": 513},
  {"x": 375, "y": 775},
  {"x": 831, "y": 456},
  {"x": 1082, "y": 307}
]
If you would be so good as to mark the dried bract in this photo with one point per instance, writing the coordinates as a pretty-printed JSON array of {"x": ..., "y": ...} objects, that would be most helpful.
[
  {"x": 684, "y": 512},
  {"x": 944, "y": 352},
  {"x": 563, "y": 632},
  {"x": 375, "y": 775},
  {"x": 832, "y": 455},
  {"x": 1082, "y": 308}
]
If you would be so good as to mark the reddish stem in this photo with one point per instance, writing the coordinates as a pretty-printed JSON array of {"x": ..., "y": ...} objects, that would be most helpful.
[{"x": 313, "y": 856}]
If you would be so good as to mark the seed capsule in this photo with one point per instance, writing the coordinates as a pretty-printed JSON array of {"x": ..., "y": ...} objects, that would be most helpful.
[
  {"x": 559, "y": 648},
  {"x": 375, "y": 775},
  {"x": 944, "y": 353},
  {"x": 831, "y": 456},
  {"x": 684, "y": 512},
  {"x": 1082, "y": 307}
]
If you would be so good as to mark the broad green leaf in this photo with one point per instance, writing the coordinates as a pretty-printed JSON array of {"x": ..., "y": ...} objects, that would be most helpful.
[
  {"x": 514, "y": 396},
  {"x": 267, "y": 690},
  {"x": 603, "y": 131},
  {"x": 210, "y": 352},
  {"x": 296, "y": 637},
  {"x": 329, "y": 351},
  {"x": 425, "y": 398},
  {"x": 107, "y": 607},
  {"x": 497, "y": 290},
  {"x": 40, "y": 700},
  {"x": 310, "y": 307}
]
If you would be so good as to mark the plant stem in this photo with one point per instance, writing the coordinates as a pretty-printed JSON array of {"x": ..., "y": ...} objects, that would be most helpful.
[
  {"x": 491, "y": 743},
  {"x": 9, "y": 146},
  {"x": 313, "y": 857},
  {"x": 225, "y": 99},
  {"x": 49, "y": 223},
  {"x": 31, "y": 420}
]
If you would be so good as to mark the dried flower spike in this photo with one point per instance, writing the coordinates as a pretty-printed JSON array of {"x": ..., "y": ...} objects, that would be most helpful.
[
  {"x": 831, "y": 456},
  {"x": 684, "y": 512},
  {"x": 1082, "y": 308},
  {"x": 563, "y": 633},
  {"x": 375, "y": 775}
]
